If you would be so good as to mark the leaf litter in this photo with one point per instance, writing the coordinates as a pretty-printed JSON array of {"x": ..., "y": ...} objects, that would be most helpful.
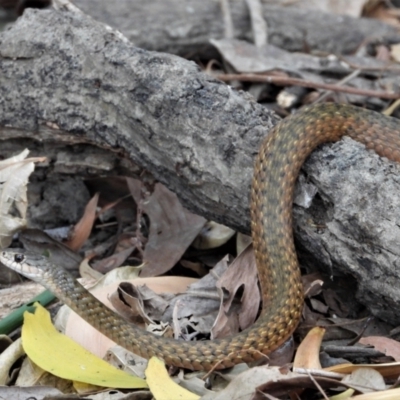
[
  {"x": 224, "y": 301},
  {"x": 221, "y": 300}
]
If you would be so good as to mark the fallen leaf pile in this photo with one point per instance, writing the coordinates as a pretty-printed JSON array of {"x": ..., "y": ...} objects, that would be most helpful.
[{"x": 143, "y": 254}]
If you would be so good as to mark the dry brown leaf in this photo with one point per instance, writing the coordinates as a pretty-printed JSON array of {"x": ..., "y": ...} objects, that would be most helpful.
[
  {"x": 83, "y": 228},
  {"x": 387, "y": 346},
  {"x": 172, "y": 229},
  {"x": 241, "y": 276}
]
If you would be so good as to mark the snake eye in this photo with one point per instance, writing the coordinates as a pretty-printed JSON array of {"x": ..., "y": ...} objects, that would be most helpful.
[{"x": 18, "y": 258}]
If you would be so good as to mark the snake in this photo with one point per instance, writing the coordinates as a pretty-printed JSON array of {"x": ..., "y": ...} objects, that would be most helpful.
[{"x": 281, "y": 155}]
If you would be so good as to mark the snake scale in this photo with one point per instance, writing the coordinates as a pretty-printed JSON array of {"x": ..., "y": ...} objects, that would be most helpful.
[{"x": 280, "y": 158}]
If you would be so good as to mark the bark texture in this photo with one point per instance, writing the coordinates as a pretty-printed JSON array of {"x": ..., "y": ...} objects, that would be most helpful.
[
  {"x": 95, "y": 104},
  {"x": 352, "y": 226}
]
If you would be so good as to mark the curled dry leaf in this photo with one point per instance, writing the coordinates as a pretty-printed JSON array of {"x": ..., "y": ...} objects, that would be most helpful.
[
  {"x": 8, "y": 358},
  {"x": 212, "y": 235},
  {"x": 240, "y": 278},
  {"x": 200, "y": 304},
  {"x": 312, "y": 284},
  {"x": 307, "y": 355},
  {"x": 126, "y": 300},
  {"x": 89, "y": 275},
  {"x": 139, "y": 303}
]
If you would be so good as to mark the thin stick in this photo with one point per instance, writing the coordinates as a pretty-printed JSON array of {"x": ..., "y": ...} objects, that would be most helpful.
[{"x": 285, "y": 81}]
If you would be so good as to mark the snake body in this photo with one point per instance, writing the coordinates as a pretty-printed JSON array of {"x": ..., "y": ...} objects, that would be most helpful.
[{"x": 280, "y": 158}]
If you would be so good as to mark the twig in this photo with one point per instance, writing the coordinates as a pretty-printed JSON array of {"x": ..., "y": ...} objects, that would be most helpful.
[
  {"x": 317, "y": 385},
  {"x": 390, "y": 110},
  {"x": 348, "y": 78},
  {"x": 285, "y": 81},
  {"x": 319, "y": 372},
  {"x": 388, "y": 67}
]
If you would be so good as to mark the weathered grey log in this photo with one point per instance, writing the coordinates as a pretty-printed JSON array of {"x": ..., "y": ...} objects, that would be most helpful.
[
  {"x": 66, "y": 79},
  {"x": 185, "y": 28},
  {"x": 352, "y": 227},
  {"x": 194, "y": 133}
]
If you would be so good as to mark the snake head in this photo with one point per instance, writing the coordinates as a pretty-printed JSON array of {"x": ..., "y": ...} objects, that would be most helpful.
[{"x": 27, "y": 264}]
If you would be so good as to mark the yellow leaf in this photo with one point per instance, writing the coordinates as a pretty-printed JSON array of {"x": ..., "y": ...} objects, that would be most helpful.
[
  {"x": 162, "y": 387},
  {"x": 61, "y": 356},
  {"x": 344, "y": 395}
]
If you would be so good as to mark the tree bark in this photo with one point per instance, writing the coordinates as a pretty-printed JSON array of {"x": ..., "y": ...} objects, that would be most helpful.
[{"x": 71, "y": 86}]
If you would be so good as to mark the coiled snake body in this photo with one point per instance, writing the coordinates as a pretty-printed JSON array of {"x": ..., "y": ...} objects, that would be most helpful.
[{"x": 281, "y": 155}]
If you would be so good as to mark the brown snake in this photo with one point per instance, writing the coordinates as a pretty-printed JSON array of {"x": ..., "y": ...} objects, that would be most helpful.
[{"x": 280, "y": 158}]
